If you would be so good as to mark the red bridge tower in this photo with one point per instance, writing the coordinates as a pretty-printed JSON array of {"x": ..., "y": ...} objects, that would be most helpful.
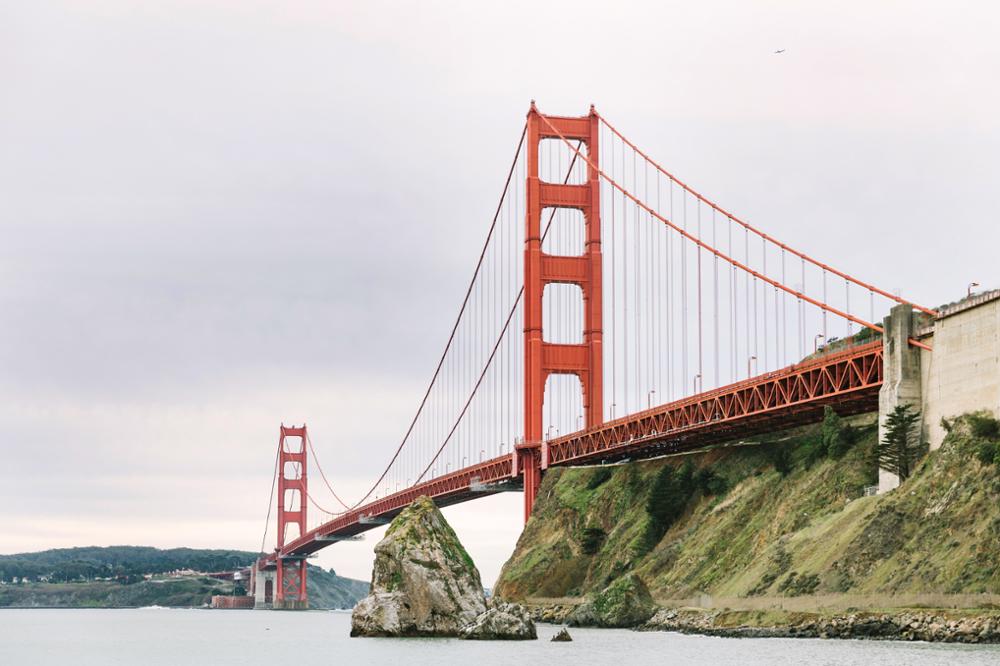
[
  {"x": 542, "y": 358},
  {"x": 292, "y": 485}
]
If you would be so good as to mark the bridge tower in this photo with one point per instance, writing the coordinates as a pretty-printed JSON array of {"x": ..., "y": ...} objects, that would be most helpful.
[
  {"x": 290, "y": 579},
  {"x": 541, "y": 358}
]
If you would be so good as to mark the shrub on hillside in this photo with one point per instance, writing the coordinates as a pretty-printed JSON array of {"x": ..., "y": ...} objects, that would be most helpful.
[
  {"x": 781, "y": 458},
  {"x": 591, "y": 539},
  {"x": 988, "y": 453},
  {"x": 709, "y": 482},
  {"x": 599, "y": 477},
  {"x": 837, "y": 437},
  {"x": 984, "y": 426},
  {"x": 813, "y": 450}
]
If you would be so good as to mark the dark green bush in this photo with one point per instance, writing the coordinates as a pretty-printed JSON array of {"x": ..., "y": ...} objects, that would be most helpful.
[
  {"x": 599, "y": 477},
  {"x": 781, "y": 458},
  {"x": 813, "y": 450},
  {"x": 836, "y": 436},
  {"x": 988, "y": 453},
  {"x": 591, "y": 540},
  {"x": 984, "y": 426},
  {"x": 709, "y": 482}
]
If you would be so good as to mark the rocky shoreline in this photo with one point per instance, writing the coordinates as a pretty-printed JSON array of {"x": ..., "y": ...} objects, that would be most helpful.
[{"x": 903, "y": 625}]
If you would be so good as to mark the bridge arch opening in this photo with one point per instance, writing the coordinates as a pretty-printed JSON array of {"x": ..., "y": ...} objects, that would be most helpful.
[
  {"x": 562, "y": 314},
  {"x": 563, "y": 406},
  {"x": 554, "y": 160},
  {"x": 293, "y": 444},
  {"x": 567, "y": 234},
  {"x": 292, "y": 499}
]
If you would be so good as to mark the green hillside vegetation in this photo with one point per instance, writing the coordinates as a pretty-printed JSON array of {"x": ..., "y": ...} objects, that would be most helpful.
[
  {"x": 785, "y": 518},
  {"x": 92, "y": 562},
  {"x": 114, "y": 577}
]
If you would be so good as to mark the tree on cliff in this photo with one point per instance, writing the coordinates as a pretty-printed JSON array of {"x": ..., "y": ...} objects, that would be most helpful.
[
  {"x": 898, "y": 451},
  {"x": 669, "y": 496},
  {"x": 837, "y": 438}
]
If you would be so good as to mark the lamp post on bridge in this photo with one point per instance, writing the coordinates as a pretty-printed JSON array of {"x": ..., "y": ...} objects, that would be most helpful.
[
  {"x": 816, "y": 340},
  {"x": 695, "y": 383},
  {"x": 482, "y": 454},
  {"x": 750, "y": 360},
  {"x": 649, "y": 398},
  {"x": 968, "y": 291}
]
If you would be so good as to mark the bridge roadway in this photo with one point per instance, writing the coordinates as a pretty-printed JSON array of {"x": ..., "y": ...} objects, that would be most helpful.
[{"x": 796, "y": 395}]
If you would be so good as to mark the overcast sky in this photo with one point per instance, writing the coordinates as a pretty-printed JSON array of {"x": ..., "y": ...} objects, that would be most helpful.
[{"x": 218, "y": 216}]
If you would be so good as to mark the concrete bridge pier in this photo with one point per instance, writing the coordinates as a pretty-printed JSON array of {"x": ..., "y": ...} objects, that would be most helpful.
[
  {"x": 262, "y": 586},
  {"x": 901, "y": 378}
]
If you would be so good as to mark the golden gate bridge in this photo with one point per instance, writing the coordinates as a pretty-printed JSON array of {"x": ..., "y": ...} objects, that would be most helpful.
[{"x": 614, "y": 313}]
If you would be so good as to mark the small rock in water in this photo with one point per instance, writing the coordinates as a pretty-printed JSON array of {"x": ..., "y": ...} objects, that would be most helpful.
[{"x": 562, "y": 637}]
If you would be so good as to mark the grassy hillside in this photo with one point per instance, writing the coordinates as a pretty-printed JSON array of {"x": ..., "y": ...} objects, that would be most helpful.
[{"x": 785, "y": 518}]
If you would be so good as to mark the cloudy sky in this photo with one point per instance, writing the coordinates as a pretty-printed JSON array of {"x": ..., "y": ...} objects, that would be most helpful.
[{"x": 218, "y": 216}]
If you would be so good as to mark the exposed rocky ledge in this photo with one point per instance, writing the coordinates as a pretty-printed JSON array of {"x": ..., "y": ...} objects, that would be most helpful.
[
  {"x": 937, "y": 626},
  {"x": 425, "y": 584},
  {"x": 502, "y": 621}
]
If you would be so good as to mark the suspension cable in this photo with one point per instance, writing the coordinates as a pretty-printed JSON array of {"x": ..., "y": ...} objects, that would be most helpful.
[
  {"x": 454, "y": 328},
  {"x": 760, "y": 233},
  {"x": 716, "y": 252},
  {"x": 270, "y": 497}
]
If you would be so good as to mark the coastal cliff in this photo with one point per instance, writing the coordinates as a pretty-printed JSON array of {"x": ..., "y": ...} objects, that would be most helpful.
[{"x": 771, "y": 524}]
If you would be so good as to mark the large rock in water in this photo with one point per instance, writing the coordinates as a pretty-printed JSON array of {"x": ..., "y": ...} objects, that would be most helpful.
[
  {"x": 626, "y": 602},
  {"x": 425, "y": 584},
  {"x": 423, "y": 581}
]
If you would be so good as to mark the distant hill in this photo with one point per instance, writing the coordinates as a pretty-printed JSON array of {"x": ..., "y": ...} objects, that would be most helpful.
[{"x": 115, "y": 576}]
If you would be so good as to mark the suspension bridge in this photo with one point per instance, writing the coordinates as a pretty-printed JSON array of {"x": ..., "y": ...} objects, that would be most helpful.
[{"x": 614, "y": 313}]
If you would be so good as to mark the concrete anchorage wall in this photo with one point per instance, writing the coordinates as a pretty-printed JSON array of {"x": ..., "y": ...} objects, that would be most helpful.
[{"x": 960, "y": 375}]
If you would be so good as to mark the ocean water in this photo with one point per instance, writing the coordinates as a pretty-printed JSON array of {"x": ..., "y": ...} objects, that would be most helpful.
[{"x": 151, "y": 637}]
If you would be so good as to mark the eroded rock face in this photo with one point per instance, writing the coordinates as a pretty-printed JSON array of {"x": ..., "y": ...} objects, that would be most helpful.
[
  {"x": 423, "y": 583},
  {"x": 626, "y": 602},
  {"x": 502, "y": 621}
]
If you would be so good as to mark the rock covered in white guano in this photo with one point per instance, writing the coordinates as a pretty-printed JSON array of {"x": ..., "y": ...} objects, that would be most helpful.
[
  {"x": 423, "y": 582},
  {"x": 502, "y": 621}
]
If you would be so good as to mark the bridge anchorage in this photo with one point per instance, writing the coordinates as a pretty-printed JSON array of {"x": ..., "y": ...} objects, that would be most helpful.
[{"x": 651, "y": 321}]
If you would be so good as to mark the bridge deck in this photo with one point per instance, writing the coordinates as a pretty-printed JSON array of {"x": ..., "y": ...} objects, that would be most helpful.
[{"x": 795, "y": 395}]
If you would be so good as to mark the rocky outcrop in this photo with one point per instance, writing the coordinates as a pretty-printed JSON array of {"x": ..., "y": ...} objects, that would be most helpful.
[
  {"x": 551, "y": 613},
  {"x": 904, "y": 625},
  {"x": 624, "y": 603},
  {"x": 502, "y": 621},
  {"x": 423, "y": 582}
]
